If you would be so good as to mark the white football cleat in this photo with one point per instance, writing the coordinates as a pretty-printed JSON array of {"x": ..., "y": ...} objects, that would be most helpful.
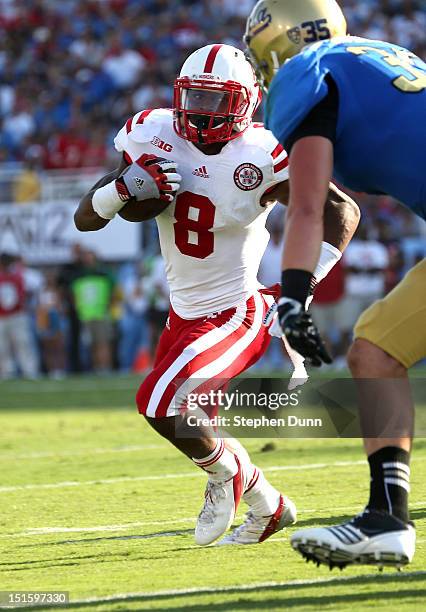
[
  {"x": 256, "y": 529},
  {"x": 220, "y": 505},
  {"x": 371, "y": 538}
]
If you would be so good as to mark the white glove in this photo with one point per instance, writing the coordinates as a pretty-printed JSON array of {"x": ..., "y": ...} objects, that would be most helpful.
[{"x": 149, "y": 177}]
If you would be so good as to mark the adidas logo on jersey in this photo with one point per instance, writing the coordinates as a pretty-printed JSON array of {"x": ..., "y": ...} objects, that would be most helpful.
[{"x": 201, "y": 172}]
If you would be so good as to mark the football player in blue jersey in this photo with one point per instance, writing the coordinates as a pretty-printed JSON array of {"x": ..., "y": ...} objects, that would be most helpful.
[{"x": 353, "y": 109}]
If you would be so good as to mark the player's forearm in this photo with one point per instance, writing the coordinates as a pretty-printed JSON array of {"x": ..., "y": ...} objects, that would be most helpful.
[
  {"x": 341, "y": 218},
  {"x": 303, "y": 238},
  {"x": 85, "y": 217},
  {"x": 311, "y": 163}
]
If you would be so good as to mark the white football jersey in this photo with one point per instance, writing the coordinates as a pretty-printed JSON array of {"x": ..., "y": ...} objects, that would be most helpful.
[{"x": 213, "y": 236}]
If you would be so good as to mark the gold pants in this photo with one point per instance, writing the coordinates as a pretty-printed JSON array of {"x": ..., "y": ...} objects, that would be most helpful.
[{"x": 397, "y": 323}]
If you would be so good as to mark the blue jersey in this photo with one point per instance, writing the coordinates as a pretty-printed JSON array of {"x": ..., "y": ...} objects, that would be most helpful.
[{"x": 381, "y": 127}]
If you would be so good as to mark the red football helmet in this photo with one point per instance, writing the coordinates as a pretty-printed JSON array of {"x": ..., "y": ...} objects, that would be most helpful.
[{"x": 215, "y": 95}]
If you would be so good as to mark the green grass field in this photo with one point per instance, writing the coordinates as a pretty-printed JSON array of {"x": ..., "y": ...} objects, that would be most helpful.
[{"x": 95, "y": 503}]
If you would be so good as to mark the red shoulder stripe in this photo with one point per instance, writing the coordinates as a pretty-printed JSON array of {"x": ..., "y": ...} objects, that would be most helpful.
[
  {"x": 283, "y": 164},
  {"x": 277, "y": 151},
  {"x": 143, "y": 116},
  {"x": 211, "y": 58},
  {"x": 140, "y": 120}
]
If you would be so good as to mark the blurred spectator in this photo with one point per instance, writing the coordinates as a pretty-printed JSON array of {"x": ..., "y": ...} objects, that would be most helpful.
[
  {"x": 327, "y": 307},
  {"x": 93, "y": 291},
  {"x": 51, "y": 326},
  {"x": 365, "y": 261},
  {"x": 16, "y": 345},
  {"x": 96, "y": 153},
  {"x": 133, "y": 325},
  {"x": 270, "y": 266},
  {"x": 395, "y": 270},
  {"x": 159, "y": 301},
  {"x": 66, "y": 278},
  {"x": 27, "y": 184},
  {"x": 20, "y": 123},
  {"x": 68, "y": 149},
  {"x": 122, "y": 65}
]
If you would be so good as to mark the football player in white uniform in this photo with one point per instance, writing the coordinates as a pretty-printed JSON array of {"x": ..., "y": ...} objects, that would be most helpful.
[{"x": 218, "y": 174}]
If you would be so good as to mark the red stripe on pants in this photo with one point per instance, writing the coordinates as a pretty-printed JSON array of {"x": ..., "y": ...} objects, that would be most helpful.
[{"x": 183, "y": 333}]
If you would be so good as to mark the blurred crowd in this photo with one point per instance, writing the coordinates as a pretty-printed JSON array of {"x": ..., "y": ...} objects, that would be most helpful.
[
  {"x": 71, "y": 73},
  {"x": 85, "y": 316}
]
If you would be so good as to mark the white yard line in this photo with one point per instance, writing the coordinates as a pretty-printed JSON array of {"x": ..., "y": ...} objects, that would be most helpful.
[
  {"x": 91, "y": 451},
  {"x": 98, "y": 528},
  {"x": 194, "y": 474},
  {"x": 241, "y": 587},
  {"x": 35, "y": 531},
  {"x": 88, "y": 451},
  {"x": 104, "y": 481},
  {"x": 313, "y": 466},
  {"x": 64, "y": 386}
]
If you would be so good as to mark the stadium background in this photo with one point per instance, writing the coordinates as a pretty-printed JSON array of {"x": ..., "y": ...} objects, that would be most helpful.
[{"x": 71, "y": 73}]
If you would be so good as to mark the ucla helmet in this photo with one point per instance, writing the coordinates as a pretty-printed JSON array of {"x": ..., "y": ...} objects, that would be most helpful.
[{"x": 279, "y": 29}]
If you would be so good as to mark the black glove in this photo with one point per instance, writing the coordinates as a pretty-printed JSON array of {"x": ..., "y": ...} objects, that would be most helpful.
[{"x": 301, "y": 333}]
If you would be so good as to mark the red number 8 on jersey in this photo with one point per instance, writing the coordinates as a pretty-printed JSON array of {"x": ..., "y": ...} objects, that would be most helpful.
[{"x": 193, "y": 235}]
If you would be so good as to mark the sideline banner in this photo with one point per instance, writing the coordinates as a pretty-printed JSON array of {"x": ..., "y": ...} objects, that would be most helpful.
[{"x": 45, "y": 233}]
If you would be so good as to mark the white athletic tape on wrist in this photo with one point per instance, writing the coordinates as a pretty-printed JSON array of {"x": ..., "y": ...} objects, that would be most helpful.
[
  {"x": 329, "y": 257},
  {"x": 106, "y": 202}
]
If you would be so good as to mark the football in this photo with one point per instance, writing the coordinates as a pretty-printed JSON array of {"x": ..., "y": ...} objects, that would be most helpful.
[{"x": 135, "y": 211}]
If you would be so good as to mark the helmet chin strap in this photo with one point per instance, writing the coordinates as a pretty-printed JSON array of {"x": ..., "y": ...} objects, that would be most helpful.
[
  {"x": 200, "y": 135},
  {"x": 200, "y": 125}
]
